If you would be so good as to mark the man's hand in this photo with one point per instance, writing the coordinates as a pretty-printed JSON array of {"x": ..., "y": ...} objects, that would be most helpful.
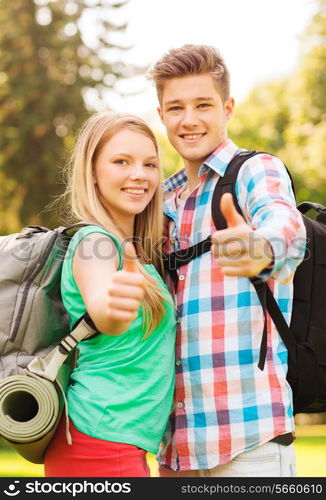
[{"x": 238, "y": 249}]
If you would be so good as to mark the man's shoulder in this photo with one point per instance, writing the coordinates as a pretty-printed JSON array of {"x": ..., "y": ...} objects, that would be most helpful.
[
  {"x": 260, "y": 155},
  {"x": 263, "y": 169},
  {"x": 262, "y": 162}
]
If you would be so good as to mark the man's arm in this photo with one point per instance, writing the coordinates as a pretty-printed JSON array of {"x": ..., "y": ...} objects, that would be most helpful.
[{"x": 270, "y": 239}]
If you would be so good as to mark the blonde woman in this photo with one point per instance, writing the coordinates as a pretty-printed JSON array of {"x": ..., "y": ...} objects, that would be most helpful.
[{"x": 121, "y": 391}]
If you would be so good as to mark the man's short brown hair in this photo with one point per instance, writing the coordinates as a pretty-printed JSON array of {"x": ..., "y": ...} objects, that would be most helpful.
[{"x": 191, "y": 60}]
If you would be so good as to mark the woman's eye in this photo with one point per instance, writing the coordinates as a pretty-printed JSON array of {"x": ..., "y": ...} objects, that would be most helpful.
[
  {"x": 151, "y": 165},
  {"x": 120, "y": 161}
]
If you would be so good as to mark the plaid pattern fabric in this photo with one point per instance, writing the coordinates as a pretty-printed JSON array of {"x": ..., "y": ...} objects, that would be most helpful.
[{"x": 224, "y": 404}]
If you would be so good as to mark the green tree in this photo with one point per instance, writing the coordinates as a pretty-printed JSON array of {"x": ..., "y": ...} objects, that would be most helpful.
[
  {"x": 305, "y": 136},
  {"x": 171, "y": 161},
  {"x": 49, "y": 80},
  {"x": 260, "y": 121},
  {"x": 288, "y": 117}
]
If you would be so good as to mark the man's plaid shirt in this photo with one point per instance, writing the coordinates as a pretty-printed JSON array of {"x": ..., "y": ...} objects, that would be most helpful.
[{"x": 224, "y": 404}]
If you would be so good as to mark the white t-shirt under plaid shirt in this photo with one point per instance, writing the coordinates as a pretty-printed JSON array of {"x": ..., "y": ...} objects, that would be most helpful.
[{"x": 224, "y": 404}]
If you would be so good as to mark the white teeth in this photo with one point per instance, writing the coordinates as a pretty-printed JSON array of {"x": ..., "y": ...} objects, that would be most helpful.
[
  {"x": 193, "y": 136},
  {"x": 134, "y": 191}
]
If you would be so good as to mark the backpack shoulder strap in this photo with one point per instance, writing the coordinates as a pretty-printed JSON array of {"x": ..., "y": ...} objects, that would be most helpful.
[
  {"x": 48, "y": 366},
  {"x": 226, "y": 184}
]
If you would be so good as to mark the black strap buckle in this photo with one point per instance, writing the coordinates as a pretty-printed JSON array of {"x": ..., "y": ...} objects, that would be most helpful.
[{"x": 284, "y": 439}]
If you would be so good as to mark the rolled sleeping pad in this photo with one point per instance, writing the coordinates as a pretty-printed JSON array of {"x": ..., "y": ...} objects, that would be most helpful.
[{"x": 30, "y": 411}]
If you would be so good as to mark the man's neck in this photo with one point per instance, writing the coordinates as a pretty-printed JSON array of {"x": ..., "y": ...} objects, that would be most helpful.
[
  {"x": 192, "y": 175},
  {"x": 192, "y": 168}
]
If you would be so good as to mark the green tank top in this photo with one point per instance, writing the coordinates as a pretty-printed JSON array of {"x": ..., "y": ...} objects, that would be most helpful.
[{"x": 122, "y": 388}]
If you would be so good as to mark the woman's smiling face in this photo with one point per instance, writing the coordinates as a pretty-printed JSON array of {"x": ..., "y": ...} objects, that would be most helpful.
[{"x": 126, "y": 174}]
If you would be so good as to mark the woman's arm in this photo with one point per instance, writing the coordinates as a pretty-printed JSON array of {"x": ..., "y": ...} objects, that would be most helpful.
[{"x": 111, "y": 297}]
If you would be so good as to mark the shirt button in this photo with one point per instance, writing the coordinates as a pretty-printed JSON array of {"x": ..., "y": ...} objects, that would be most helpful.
[
  {"x": 179, "y": 320},
  {"x": 179, "y": 405},
  {"x": 181, "y": 277},
  {"x": 178, "y": 363}
]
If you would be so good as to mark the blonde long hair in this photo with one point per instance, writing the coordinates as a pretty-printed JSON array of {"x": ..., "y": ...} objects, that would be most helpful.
[{"x": 85, "y": 203}]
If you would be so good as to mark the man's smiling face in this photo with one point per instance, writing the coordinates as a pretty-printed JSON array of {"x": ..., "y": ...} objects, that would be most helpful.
[{"x": 195, "y": 116}]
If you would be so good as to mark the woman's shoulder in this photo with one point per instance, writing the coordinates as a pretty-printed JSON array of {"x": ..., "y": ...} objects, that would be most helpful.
[
  {"x": 96, "y": 239},
  {"x": 92, "y": 229}
]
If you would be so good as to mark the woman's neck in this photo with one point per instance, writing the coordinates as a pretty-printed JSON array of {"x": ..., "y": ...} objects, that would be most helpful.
[{"x": 127, "y": 229}]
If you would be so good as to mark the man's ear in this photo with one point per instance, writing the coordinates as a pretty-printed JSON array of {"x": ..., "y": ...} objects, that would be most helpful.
[
  {"x": 229, "y": 107},
  {"x": 160, "y": 114}
]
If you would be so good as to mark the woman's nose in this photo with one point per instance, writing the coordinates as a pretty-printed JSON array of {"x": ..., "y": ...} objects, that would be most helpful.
[{"x": 137, "y": 172}]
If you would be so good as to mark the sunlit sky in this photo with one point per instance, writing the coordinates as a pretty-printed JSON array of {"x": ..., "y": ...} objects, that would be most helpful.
[{"x": 259, "y": 39}]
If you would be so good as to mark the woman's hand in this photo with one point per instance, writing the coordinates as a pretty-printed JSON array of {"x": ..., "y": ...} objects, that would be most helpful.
[
  {"x": 126, "y": 289},
  {"x": 111, "y": 297}
]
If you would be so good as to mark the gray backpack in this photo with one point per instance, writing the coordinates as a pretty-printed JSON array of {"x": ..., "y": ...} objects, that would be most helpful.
[
  {"x": 36, "y": 345},
  {"x": 33, "y": 318}
]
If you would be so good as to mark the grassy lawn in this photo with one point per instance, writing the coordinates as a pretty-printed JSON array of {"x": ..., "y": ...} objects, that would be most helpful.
[{"x": 310, "y": 447}]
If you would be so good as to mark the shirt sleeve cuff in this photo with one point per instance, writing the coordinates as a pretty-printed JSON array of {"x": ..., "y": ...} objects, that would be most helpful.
[{"x": 279, "y": 250}]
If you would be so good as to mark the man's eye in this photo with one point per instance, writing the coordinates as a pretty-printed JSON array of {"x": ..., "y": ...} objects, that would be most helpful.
[
  {"x": 204, "y": 105},
  {"x": 174, "y": 108}
]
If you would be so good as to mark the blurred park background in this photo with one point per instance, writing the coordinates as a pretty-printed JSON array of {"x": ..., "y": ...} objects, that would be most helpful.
[{"x": 61, "y": 60}]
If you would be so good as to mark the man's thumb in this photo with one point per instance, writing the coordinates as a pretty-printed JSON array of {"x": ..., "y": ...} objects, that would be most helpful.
[
  {"x": 129, "y": 258},
  {"x": 230, "y": 213}
]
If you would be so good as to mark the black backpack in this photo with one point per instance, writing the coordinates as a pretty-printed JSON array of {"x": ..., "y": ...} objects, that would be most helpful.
[{"x": 305, "y": 339}]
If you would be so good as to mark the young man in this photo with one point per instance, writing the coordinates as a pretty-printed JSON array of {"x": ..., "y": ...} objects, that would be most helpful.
[{"x": 229, "y": 414}]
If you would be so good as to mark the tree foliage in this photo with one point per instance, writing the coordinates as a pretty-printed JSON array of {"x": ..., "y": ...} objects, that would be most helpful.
[
  {"x": 288, "y": 117},
  {"x": 47, "y": 74},
  {"x": 171, "y": 161}
]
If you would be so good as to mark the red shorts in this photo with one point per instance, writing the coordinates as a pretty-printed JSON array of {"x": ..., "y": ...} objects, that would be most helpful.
[{"x": 92, "y": 457}]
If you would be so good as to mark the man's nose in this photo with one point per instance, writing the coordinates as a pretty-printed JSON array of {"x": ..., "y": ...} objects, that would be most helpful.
[{"x": 189, "y": 118}]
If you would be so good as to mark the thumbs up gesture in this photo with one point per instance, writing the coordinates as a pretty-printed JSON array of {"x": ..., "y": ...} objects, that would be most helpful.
[
  {"x": 126, "y": 290},
  {"x": 238, "y": 249}
]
